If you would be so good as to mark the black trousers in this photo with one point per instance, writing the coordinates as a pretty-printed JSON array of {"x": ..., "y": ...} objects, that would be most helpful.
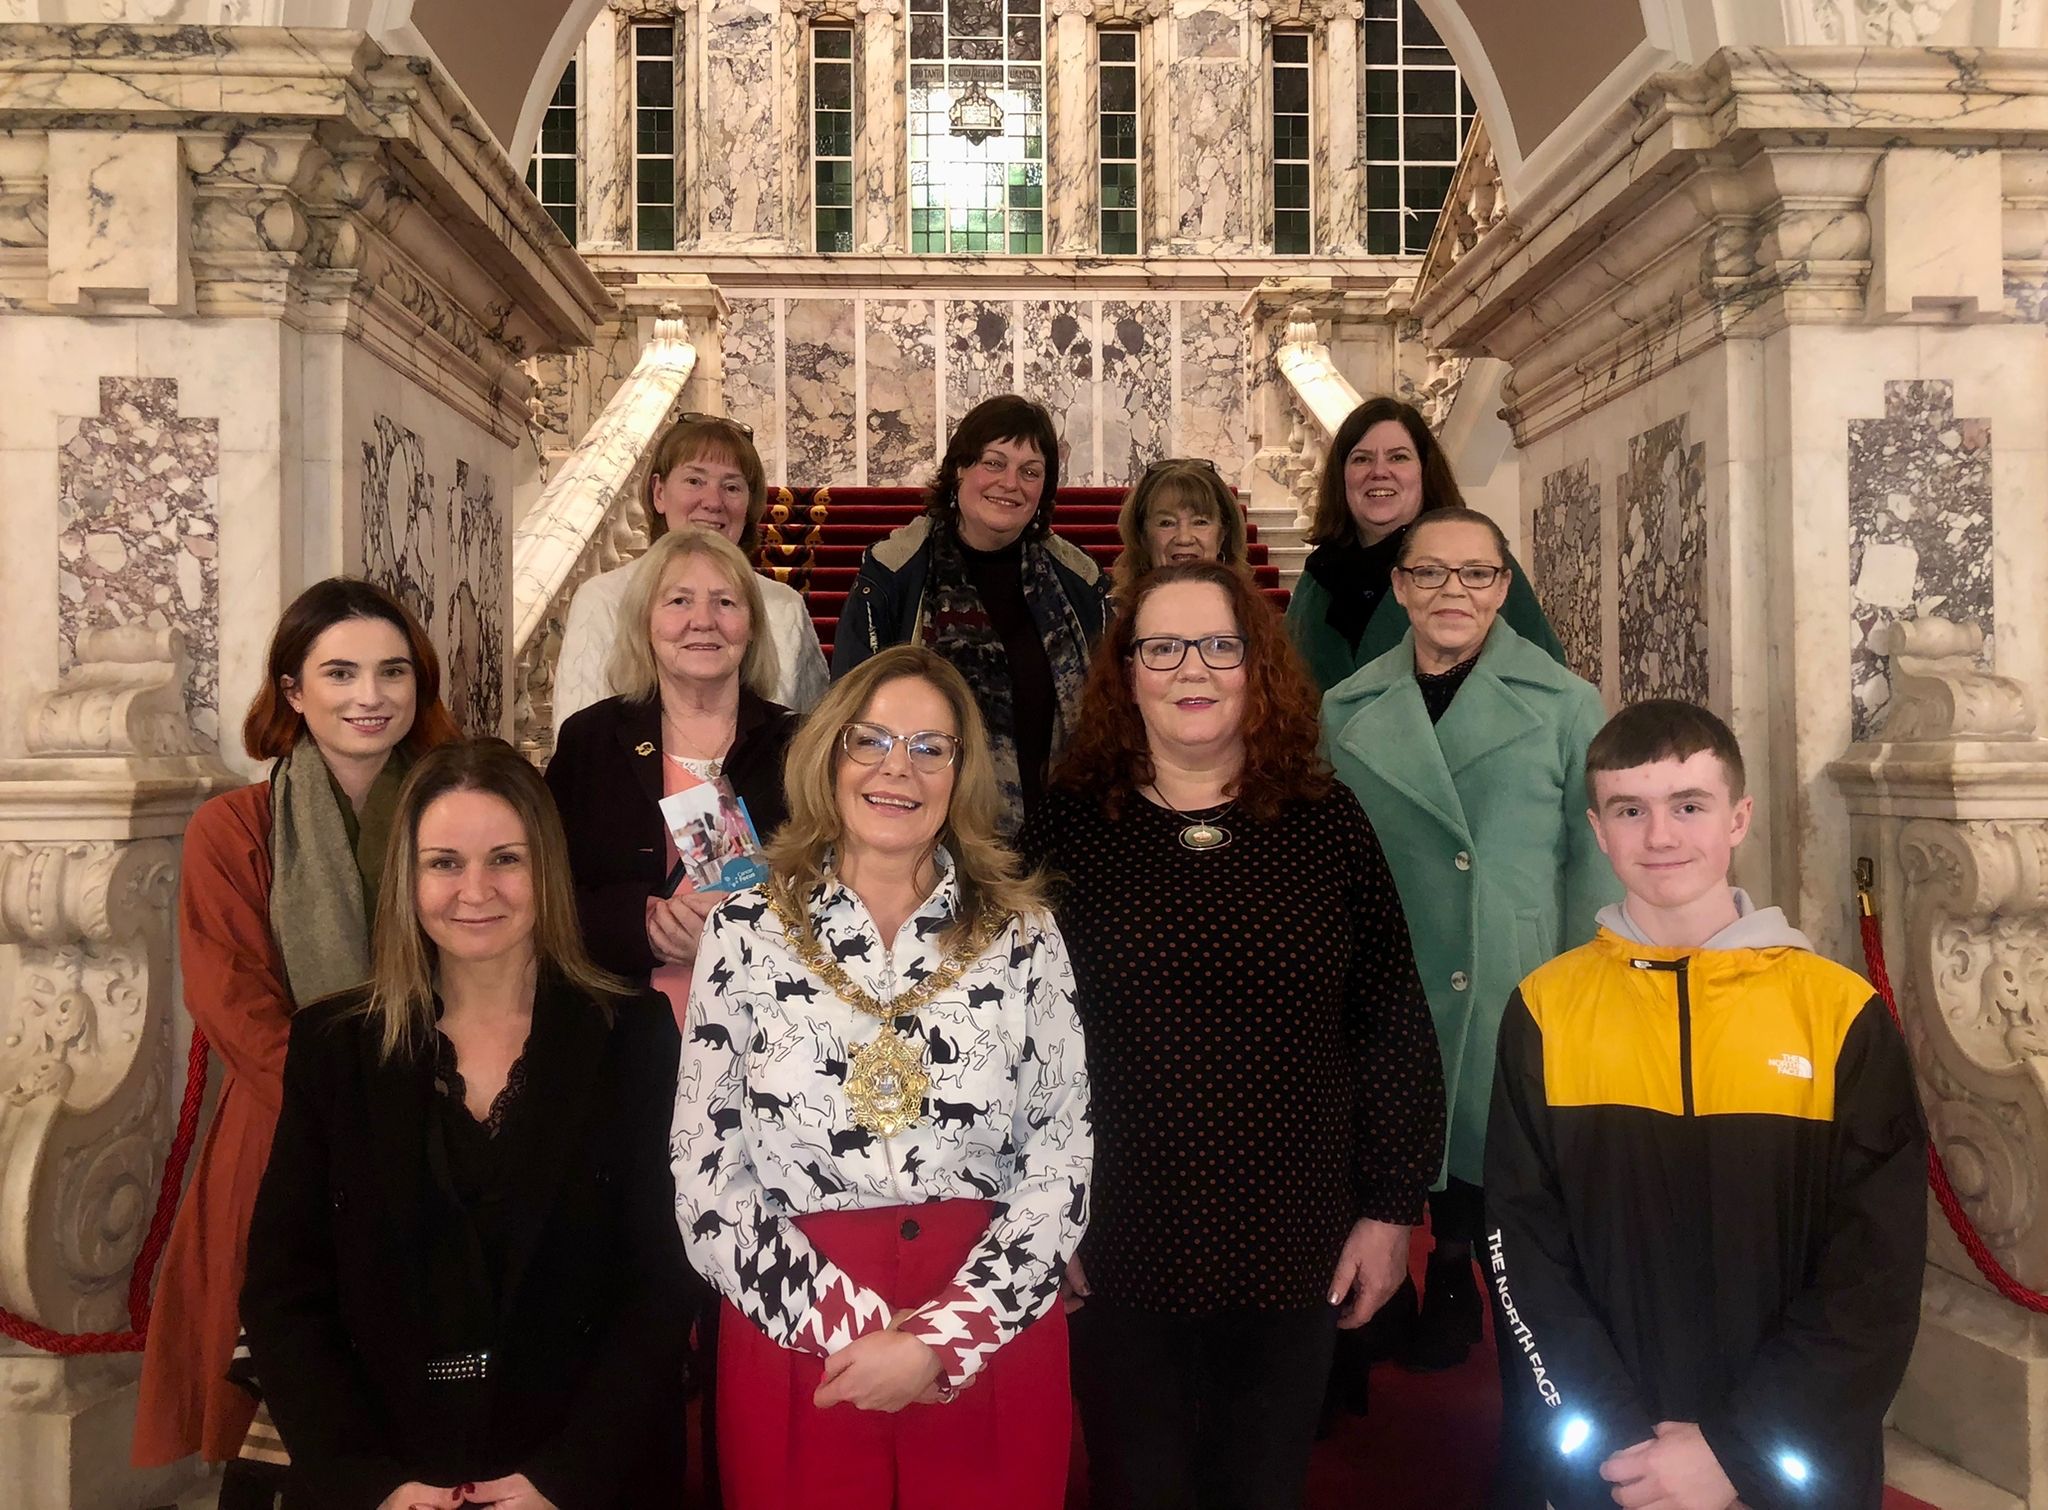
[{"x": 1205, "y": 1412}]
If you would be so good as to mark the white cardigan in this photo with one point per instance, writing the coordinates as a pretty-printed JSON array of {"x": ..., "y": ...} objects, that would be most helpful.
[{"x": 593, "y": 623}]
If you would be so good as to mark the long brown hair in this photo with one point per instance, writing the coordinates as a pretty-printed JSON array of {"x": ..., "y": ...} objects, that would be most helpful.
[
  {"x": 1333, "y": 521},
  {"x": 403, "y": 960},
  {"x": 1182, "y": 483},
  {"x": 990, "y": 876},
  {"x": 273, "y": 726},
  {"x": 1110, "y": 756}
]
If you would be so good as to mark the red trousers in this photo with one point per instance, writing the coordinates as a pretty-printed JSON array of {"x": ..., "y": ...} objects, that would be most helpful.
[{"x": 1002, "y": 1445}]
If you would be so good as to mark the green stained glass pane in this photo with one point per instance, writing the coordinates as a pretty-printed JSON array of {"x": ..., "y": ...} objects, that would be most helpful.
[
  {"x": 1291, "y": 232},
  {"x": 1382, "y": 42},
  {"x": 1383, "y": 139},
  {"x": 654, "y": 41},
  {"x": 558, "y": 132},
  {"x": 558, "y": 180},
  {"x": 1290, "y": 90},
  {"x": 655, "y": 181},
  {"x": 1119, "y": 186},
  {"x": 832, "y": 42},
  {"x": 1119, "y": 90},
  {"x": 835, "y": 134},
  {"x": 1120, "y": 136},
  {"x": 655, "y": 81},
  {"x": 656, "y": 134},
  {"x": 1382, "y": 187},
  {"x": 835, "y": 86},
  {"x": 1430, "y": 138},
  {"x": 1383, "y": 233},
  {"x": 1290, "y": 186},
  {"x": 1120, "y": 233},
  {"x": 1420, "y": 228},
  {"x": 1429, "y": 91},
  {"x": 1119, "y": 47},
  {"x": 1290, "y": 138},
  {"x": 1425, "y": 188},
  {"x": 835, "y": 230},
  {"x": 564, "y": 216},
  {"x": 1290, "y": 47},
  {"x": 835, "y": 183}
]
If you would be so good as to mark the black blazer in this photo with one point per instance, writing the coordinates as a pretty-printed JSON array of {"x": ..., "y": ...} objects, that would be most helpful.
[
  {"x": 606, "y": 777},
  {"x": 364, "y": 1269}
]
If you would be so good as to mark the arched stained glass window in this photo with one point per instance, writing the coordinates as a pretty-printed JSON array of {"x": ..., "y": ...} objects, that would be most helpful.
[{"x": 977, "y": 175}]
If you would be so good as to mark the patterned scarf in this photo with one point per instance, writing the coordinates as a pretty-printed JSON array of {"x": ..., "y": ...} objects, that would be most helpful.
[{"x": 954, "y": 622}]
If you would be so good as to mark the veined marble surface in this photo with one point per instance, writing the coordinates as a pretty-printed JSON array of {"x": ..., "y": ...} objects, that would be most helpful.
[
  {"x": 1920, "y": 525},
  {"x": 399, "y": 528},
  {"x": 739, "y": 157},
  {"x": 1662, "y": 566},
  {"x": 1137, "y": 387},
  {"x": 900, "y": 339},
  {"x": 137, "y": 497},
  {"x": 1564, "y": 560},
  {"x": 980, "y": 353},
  {"x": 1059, "y": 372},
  {"x": 1210, "y": 418},
  {"x": 478, "y": 652},
  {"x": 753, "y": 377},
  {"x": 819, "y": 342}
]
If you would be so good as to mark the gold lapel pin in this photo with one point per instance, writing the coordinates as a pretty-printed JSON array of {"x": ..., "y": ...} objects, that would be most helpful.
[{"x": 645, "y": 747}]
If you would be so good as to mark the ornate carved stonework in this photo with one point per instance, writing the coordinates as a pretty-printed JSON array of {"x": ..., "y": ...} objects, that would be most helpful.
[{"x": 1939, "y": 691}]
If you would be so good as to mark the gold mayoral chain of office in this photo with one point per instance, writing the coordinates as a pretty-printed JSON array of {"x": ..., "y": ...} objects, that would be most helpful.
[{"x": 885, "y": 1082}]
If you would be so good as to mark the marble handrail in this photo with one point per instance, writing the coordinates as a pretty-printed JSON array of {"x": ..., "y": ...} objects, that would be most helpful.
[
  {"x": 585, "y": 521},
  {"x": 1473, "y": 205},
  {"x": 1320, "y": 396}
]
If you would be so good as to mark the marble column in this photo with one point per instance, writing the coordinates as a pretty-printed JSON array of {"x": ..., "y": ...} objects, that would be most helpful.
[
  {"x": 264, "y": 311},
  {"x": 1340, "y": 229},
  {"x": 1785, "y": 379},
  {"x": 1072, "y": 186},
  {"x": 605, "y": 88},
  {"x": 880, "y": 144}
]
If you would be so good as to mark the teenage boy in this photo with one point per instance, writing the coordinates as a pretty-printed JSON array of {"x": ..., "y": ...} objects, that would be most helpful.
[{"x": 1705, "y": 1173}]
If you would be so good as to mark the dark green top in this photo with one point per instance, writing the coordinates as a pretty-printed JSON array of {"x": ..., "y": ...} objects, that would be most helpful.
[{"x": 1331, "y": 655}]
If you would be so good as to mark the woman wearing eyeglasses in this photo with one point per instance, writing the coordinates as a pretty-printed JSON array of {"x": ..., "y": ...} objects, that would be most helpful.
[
  {"x": 982, "y": 580},
  {"x": 705, "y": 472},
  {"x": 1384, "y": 470},
  {"x": 1466, "y": 744},
  {"x": 1179, "y": 512},
  {"x": 1267, "y": 1094},
  {"x": 881, "y": 1142}
]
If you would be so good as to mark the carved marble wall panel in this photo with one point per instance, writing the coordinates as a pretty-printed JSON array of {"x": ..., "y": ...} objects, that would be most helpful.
[
  {"x": 980, "y": 353},
  {"x": 1662, "y": 566},
  {"x": 739, "y": 156},
  {"x": 1059, "y": 371},
  {"x": 1564, "y": 561},
  {"x": 137, "y": 496},
  {"x": 474, "y": 631},
  {"x": 1137, "y": 387},
  {"x": 819, "y": 340},
  {"x": 753, "y": 375},
  {"x": 1210, "y": 354},
  {"x": 1920, "y": 528},
  {"x": 1212, "y": 136},
  {"x": 901, "y": 343},
  {"x": 399, "y": 527}
]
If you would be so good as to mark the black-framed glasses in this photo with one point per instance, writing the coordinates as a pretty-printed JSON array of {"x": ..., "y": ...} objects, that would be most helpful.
[
  {"x": 1165, "y": 652},
  {"x": 695, "y": 417},
  {"x": 928, "y": 750},
  {"x": 1474, "y": 575}
]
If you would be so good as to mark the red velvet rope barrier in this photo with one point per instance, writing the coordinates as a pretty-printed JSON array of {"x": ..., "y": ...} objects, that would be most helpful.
[
  {"x": 143, "y": 1278},
  {"x": 1937, "y": 1173}
]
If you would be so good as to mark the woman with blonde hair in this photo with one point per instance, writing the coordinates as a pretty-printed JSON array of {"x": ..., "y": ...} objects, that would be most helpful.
[
  {"x": 465, "y": 1286},
  {"x": 1179, "y": 512},
  {"x": 881, "y": 1143},
  {"x": 692, "y": 706},
  {"x": 704, "y": 472}
]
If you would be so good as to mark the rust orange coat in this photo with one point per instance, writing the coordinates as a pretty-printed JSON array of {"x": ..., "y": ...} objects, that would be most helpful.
[{"x": 235, "y": 990}]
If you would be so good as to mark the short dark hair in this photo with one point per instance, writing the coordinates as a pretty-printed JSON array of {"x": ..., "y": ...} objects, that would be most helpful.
[
  {"x": 1004, "y": 417},
  {"x": 1459, "y": 515},
  {"x": 1663, "y": 728},
  {"x": 1333, "y": 521}
]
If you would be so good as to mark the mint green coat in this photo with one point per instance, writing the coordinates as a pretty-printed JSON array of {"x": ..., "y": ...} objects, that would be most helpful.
[{"x": 1483, "y": 820}]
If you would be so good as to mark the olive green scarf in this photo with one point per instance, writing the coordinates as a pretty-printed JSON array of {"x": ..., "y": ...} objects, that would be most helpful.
[{"x": 326, "y": 862}]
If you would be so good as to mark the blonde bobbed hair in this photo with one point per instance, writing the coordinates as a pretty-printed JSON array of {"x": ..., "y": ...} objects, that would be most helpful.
[
  {"x": 989, "y": 874},
  {"x": 403, "y": 960},
  {"x": 633, "y": 673}
]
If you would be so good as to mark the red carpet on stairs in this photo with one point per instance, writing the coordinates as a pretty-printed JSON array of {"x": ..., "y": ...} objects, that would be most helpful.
[{"x": 812, "y": 539}]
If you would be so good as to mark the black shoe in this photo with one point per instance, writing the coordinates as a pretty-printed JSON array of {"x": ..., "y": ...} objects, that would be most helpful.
[{"x": 1449, "y": 1322}]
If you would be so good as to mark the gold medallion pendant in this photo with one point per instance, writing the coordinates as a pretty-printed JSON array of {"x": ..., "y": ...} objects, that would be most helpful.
[{"x": 886, "y": 1084}]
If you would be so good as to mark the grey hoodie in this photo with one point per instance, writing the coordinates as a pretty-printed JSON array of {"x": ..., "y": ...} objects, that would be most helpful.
[{"x": 1754, "y": 927}]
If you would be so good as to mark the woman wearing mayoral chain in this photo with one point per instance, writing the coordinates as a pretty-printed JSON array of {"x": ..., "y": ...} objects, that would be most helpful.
[{"x": 881, "y": 1143}]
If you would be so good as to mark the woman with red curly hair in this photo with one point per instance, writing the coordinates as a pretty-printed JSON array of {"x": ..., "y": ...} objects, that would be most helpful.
[{"x": 1268, "y": 1100}]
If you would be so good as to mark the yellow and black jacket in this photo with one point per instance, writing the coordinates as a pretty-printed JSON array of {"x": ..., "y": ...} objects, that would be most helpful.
[{"x": 1705, "y": 1192}]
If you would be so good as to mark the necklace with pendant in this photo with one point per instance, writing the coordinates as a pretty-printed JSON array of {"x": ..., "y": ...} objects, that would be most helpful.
[
  {"x": 885, "y": 1080},
  {"x": 1203, "y": 833}
]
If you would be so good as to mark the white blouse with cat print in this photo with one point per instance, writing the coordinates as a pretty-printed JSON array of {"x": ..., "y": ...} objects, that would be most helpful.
[{"x": 763, "y": 1130}]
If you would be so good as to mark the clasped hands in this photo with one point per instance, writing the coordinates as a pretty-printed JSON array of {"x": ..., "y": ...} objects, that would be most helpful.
[
  {"x": 675, "y": 925},
  {"x": 514, "y": 1492},
  {"x": 1674, "y": 1470},
  {"x": 884, "y": 1370}
]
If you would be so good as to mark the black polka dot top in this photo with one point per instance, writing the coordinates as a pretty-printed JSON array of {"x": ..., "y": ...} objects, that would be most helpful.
[{"x": 1264, "y": 1068}]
